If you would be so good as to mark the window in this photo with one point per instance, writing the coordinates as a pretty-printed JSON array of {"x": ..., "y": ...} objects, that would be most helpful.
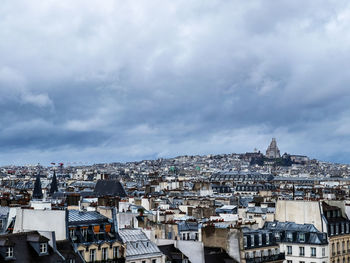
[
  {"x": 81, "y": 252},
  {"x": 43, "y": 248},
  {"x": 84, "y": 231},
  {"x": 289, "y": 236},
  {"x": 154, "y": 261},
  {"x": 104, "y": 253},
  {"x": 289, "y": 261},
  {"x": 302, "y": 237},
  {"x": 115, "y": 252},
  {"x": 1, "y": 223},
  {"x": 301, "y": 251},
  {"x": 72, "y": 260},
  {"x": 252, "y": 240},
  {"x": 313, "y": 252},
  {"x": 71, "y": 232},
  {"x": 260, "y": 239},
  {"x": 245, "y": 241},
  {"x": 267, "y": 239},
  {"x": 338, "y": 249},
  {"x": 289, "y": 250},
  {"x": 277, "y": 235},
  {"x": 143, "y": 261},
  {"x": 92, "y": 255},
  {"x": 323, "y": 252},
  {"x": 9, "y": 252}
]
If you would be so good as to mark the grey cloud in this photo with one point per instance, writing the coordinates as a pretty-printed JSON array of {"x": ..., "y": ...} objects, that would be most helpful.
[{"x": 120, "y": 80}]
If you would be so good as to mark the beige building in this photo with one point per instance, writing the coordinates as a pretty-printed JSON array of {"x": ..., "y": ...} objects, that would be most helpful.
[{"x": 102, "y": 252}]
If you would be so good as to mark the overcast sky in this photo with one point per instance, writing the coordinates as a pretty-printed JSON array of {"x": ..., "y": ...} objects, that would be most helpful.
[{"x": 104, "y": 81}]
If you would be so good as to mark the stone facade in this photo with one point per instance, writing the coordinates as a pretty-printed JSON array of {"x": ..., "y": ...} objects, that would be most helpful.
[{"x": 273, "y": 151}]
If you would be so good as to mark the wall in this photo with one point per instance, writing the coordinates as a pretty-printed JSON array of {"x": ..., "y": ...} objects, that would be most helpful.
[
  {"x": 41, "y": 220},
  {"x": 194, "y": 250},
  {"x": 300, "y": 212}
]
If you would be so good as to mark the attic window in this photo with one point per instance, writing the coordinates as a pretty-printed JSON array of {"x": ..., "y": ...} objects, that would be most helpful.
[
  {"x": 9, "y": 252},
  {"x": 43, "y": 248}
]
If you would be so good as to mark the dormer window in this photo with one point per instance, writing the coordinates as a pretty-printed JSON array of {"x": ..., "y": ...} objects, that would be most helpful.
[
  {"x": 71, "y": 232},
  {"x": 9, "y": 252},
  {"x": 302, "y": 237},
  {"x": 289, "y": 236},
  {"x": 43, "y": 248},
  {"x": 84, "y": 232},
  {"x": 277, "y": 235}
]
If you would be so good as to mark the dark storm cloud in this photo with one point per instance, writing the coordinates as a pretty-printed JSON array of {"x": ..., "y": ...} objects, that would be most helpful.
[{"x": 123, "y": 80}]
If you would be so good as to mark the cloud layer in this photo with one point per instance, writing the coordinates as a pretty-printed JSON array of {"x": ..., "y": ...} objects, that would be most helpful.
[{"x": 97, "y": 81}]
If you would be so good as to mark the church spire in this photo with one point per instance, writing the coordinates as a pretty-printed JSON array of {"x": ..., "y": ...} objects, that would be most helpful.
[
  {"x": 37, "y": 193},
  {"x": 53, "y": 186}
]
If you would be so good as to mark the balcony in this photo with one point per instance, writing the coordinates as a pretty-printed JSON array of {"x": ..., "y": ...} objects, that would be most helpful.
[{"x": 262, "y": 259}]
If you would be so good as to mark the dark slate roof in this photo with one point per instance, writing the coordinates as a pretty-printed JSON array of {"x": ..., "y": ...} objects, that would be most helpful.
[
  {"x": 241, "y": 176},
  {"x": 244, "y": 201},
  {"x": 76, "y": 216},
  {"x": 309, "y": 231},
  {"x": 260, "y": 210},
  {"x": 254, "y": 187},
  {"x": 172, "y": 253},
  {"x": 187, "y": 226},
  {"x": 290, "y": 226},
  {"x": 217, "y": 255},
  {"x": 67, "y": 251},
  {"x": 24, "y": 251},
  {"x": 110, "y": 188}
]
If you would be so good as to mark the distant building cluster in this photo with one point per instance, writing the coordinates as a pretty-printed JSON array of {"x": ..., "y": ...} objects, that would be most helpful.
[{"x": 249, "y": 208}]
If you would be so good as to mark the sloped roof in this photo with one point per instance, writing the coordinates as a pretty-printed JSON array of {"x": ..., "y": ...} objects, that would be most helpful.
[
  {"x": 109, "y": 187},
  {"x": 138, "y": 244},
  {"x": 75, "y": 216}
]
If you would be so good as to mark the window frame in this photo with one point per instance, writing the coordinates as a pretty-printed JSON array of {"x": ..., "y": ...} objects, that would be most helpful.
[{"x": 43, "y": 248}]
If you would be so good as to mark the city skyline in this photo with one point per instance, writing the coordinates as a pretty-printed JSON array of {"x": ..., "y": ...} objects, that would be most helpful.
[{"x": 119, "y": 81}]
